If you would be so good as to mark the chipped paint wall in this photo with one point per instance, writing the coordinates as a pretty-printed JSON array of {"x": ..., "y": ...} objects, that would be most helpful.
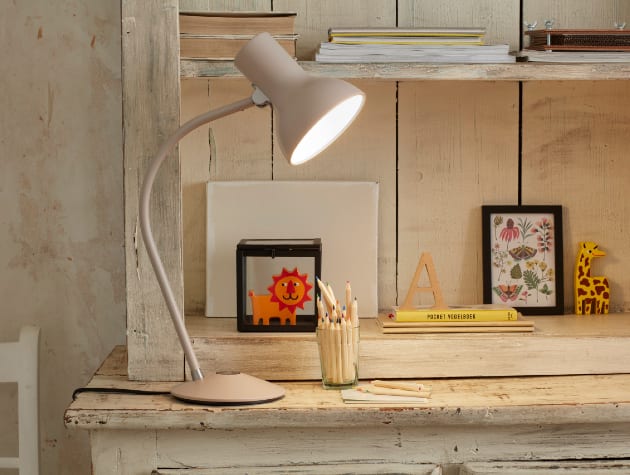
[{"x": 61, "y": 190}]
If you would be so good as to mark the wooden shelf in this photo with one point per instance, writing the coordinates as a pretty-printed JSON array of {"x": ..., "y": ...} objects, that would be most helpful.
[
  {"x": 430, "y": 72},
  {"x": 560, "y": 345}
]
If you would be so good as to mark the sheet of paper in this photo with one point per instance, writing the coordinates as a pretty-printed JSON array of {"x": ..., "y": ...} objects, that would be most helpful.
[{"x": 343, "y": 214}]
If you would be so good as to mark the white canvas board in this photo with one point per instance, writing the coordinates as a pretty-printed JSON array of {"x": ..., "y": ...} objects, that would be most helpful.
[{"x": 344, "y": 215}]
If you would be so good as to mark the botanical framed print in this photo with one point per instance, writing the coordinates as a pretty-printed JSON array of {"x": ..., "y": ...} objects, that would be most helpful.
[{"x": 522, "y": 258}]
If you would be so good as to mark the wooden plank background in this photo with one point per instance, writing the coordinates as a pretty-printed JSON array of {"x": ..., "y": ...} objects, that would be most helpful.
[
  {"x": 237, "y": 147},
  {"x": 577, "y": 13},
  {"x": 575, "y": 153},
  {"x": 454, "y": 148},
  {"x": 151, "y": 112},
  {"x": 457, "y": 150},
  {"x": 500, "y": 18},
  {"x": 439, "y": 150}
]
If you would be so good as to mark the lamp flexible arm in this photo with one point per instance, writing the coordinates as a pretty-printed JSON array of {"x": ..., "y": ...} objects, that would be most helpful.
[{"x": 258, "y": 99}]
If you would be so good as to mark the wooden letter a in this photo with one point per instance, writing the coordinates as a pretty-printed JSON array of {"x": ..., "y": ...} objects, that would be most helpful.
[{"x": 434, "y": 286}]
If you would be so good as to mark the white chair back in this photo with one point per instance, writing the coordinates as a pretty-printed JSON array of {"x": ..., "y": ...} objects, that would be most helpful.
[{"x": 19, "y": 363}]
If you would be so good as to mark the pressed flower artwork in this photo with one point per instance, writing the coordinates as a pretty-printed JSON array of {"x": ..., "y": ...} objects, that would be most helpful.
[{"x": 522, "y": 258}]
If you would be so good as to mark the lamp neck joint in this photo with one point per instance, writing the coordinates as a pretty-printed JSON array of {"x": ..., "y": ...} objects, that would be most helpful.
[{"x": 259, "y": 98}]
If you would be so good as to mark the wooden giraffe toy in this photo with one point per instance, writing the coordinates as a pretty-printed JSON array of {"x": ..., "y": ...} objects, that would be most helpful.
[{"x": 592, "y": 294}]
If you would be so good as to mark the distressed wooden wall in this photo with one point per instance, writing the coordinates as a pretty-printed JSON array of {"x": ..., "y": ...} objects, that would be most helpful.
[
  {"x": 575, "y": 147},
  {"x": 439, "y": 149},
  {"x": 62, "y": 262},
  {"x": 150, "y": 114}
]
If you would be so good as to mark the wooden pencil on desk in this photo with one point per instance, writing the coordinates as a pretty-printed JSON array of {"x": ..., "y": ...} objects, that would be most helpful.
[
  {"x": 404, "y": 385},
  {"x": 393, "y": 392}
]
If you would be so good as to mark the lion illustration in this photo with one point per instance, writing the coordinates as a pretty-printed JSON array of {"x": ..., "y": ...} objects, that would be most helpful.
[{"x": 288, "y": 291}]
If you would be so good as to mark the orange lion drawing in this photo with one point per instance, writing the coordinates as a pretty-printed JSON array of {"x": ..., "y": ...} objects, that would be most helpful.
[{"x": 288, "y": 291}]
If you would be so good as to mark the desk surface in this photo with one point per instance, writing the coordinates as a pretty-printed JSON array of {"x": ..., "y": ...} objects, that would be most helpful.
[{"x": 486, "y": 401}]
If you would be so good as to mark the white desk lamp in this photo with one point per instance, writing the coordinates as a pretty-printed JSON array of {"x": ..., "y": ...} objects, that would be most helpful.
[{"x": 310, "y": 113}]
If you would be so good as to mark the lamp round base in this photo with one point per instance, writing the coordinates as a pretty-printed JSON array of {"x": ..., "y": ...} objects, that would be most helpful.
[{"x": 228, "y": 388}]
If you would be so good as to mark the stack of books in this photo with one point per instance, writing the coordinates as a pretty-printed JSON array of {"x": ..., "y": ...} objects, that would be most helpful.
[
  {"x": 417, "y": 45},
  {"x": 221, "y": 35},
  {"x": 575, "y": 56},
  {"x": 489, "y": 318},
  {"x": 579, "y": 40},
  {"x": 578, "y": 46}
]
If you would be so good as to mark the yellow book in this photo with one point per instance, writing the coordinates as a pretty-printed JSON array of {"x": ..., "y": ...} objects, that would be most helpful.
[
  {"x": 407, "y": 40},
  {"x": 419, "y": 31},
  {"x": 465, "y": 313},
  {"x": 387, "y": 324}
]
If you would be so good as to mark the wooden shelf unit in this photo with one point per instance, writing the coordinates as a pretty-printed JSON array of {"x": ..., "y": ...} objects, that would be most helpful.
[
  {"x": 536, "y": 133},
  {"x": 555, "y": 132}
]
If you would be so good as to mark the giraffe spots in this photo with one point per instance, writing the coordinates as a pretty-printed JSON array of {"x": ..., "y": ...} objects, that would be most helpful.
[{"x": 581, "y": 272}]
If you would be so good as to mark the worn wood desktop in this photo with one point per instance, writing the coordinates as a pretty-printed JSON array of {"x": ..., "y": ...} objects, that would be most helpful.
[{"x": 470, "y": 425}]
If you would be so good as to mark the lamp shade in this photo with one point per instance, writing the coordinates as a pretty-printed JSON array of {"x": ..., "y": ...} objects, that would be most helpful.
[{"x": 310, "y": 112}]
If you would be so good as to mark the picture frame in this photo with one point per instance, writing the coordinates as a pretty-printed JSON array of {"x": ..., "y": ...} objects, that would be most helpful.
[
  {"x": 522, "y": 258},
  {"x": 289, "y": 303}
]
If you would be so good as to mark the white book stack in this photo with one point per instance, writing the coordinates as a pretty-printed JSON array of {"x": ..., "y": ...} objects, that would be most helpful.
[
  {"x": 416, "y": 45},
  {"x": 334, "y": 53},
  {"x": 576, "y": 56}
]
